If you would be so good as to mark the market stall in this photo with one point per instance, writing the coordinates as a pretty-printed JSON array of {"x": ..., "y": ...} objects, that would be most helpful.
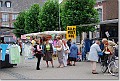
[{"x": 5, "y": 40}]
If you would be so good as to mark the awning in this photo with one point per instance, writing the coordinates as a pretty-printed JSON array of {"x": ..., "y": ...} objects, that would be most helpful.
[
  {"x": 6, "y": 30},
  {"x": 113, "y": 21}
]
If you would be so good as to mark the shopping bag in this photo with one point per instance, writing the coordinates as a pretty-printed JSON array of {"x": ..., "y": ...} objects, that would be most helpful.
[{"x": 100, "y": 53}]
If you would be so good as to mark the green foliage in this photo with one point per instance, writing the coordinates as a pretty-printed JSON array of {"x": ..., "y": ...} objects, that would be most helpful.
[
  {"x": 19, "y": 24},
  {"x": 78, "y": 12},
  {"x": 31, "y": 20},
  {"x": 49, "y": 16}
]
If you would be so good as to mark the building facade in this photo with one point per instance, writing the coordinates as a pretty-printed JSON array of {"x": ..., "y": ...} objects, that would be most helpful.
[
  {"x": 9, "y": 10},
  {"x": 108, "y": 17}
]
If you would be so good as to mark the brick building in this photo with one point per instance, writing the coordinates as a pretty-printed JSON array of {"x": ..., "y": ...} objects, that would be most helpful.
[
  {"x": 108, "y": 16},
  {"x": 9, "y": 10}
]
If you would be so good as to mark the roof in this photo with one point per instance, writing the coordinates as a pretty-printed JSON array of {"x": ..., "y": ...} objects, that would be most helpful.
[{"x": 20, "y": 5}]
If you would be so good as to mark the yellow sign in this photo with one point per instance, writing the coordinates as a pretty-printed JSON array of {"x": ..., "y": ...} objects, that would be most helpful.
[{"x": 71, "y": 32}]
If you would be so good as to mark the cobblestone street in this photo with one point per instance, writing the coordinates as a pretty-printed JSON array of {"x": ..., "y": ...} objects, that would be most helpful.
[{"x": 27, "y": 71}]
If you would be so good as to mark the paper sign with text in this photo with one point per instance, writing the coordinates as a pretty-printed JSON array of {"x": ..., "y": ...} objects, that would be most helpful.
[{"x": 71, "y": 32}]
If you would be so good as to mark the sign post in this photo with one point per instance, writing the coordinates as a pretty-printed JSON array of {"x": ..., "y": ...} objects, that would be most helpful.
[{"x": 71, "y": 32}]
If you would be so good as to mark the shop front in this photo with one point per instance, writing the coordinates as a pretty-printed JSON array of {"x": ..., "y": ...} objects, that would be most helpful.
[{"x": 109, "y": 29}]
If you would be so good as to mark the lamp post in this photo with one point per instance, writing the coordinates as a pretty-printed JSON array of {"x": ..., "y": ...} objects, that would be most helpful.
[{"x": 59, "y": 14}]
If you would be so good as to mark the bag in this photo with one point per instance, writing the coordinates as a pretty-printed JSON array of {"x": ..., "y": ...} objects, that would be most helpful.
[
  {"x": 67, "y": 51},
  {"x": 106, "y": 52},
  {"x": 59, "y": 49},
  {"x": 36, "y": 51},
  {"x": 100, "y": 53}
]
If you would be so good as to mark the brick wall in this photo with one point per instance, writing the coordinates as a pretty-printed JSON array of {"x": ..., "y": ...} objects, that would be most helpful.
[{"x": 112, "y": 9}]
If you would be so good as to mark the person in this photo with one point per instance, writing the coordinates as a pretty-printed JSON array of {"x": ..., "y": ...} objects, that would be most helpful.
[
  {"x": 73, "y": 53},
  {"x": 69, "y": 45},
  {"x": 93, "y": 55},
  {"x": 60, "y": 51},
  {"x": 38, "y": 53},
  {"x": 109, "y": 45},
  {"x": 116, "y": 49},
  {"x": 65, "y": 53},
  {"x": 83, "y": 52},
  {"x": 48, "y": 51},
  {"x": 54, "y": 48},
  {"x": 108, "y": 49},
  {"x": 33, "y": 41}
]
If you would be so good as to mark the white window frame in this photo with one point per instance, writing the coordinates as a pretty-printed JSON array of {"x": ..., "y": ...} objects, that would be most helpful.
[
  {"x": 101, "y": 7},
  {"x": 8, "y": 4},
  {"x": 5, "y": 17},
  {"x": 14, "y": 16}
]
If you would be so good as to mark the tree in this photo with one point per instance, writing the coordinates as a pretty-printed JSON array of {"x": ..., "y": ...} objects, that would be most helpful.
[
  {"x": 19, "y": 24},
  {"x": 49, "y": 16},
  {"x": 79, "y": 12},
  {"x": 31, "y": 20}
]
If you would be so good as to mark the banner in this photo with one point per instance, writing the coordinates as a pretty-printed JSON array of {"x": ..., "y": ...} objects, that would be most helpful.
[{"x": 71, "y": 32}]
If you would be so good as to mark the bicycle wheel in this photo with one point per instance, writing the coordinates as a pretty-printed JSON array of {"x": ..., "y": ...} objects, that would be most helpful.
[
  {"x": 103, "y": 67},
  {"x": 113, "y": 68}
]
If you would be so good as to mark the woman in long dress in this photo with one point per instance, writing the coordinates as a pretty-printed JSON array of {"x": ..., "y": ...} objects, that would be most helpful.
[{"x": 60, "y": 52}]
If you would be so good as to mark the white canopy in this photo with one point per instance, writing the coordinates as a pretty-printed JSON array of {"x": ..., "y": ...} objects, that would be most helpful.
[
  {"x": 45, "y": 33},
  {"x": 31, "y": 34},
  {"x": 53, "y": 32}
]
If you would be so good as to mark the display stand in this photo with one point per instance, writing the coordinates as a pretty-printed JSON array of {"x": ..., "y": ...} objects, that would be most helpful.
[{"x": 6, "y": 63}]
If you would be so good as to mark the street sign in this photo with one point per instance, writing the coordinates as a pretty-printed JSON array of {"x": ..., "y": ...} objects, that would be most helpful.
[{"x": 71, "y": 32}]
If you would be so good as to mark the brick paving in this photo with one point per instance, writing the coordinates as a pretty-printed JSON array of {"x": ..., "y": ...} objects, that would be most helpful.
[{"x": 27, "y": 71}]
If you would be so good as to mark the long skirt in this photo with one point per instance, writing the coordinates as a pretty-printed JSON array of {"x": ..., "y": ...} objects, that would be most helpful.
[
  {"x": 60, "y": 56},
  {"x": 48, "y": 56}
]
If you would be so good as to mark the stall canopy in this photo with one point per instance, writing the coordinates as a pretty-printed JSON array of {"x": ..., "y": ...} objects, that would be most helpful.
[{"x": 45, "y": 33}]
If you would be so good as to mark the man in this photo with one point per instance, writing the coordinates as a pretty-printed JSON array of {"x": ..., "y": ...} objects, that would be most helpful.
[{"x": 109, "y": 44}]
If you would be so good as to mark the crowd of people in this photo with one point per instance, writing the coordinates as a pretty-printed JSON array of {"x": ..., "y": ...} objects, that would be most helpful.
[{"x": 67, "y": 51}]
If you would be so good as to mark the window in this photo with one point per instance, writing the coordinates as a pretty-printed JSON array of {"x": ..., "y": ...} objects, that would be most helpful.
[
  {"x": 5, "y": 24},
  {"x": 100, "y": 13},
  {"x": 1, "y": 3},
  {"x": 14, "y": 16},
  {"x": 5, "y": 17},
  {"x": 8, "y": 4}
]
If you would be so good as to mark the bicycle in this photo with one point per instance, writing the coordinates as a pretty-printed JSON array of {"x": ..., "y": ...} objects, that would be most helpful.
[{"x": 109, "y": 64}]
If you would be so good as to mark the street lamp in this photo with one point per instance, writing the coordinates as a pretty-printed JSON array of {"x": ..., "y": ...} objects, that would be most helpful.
[{"x": 59, "y": 14}]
